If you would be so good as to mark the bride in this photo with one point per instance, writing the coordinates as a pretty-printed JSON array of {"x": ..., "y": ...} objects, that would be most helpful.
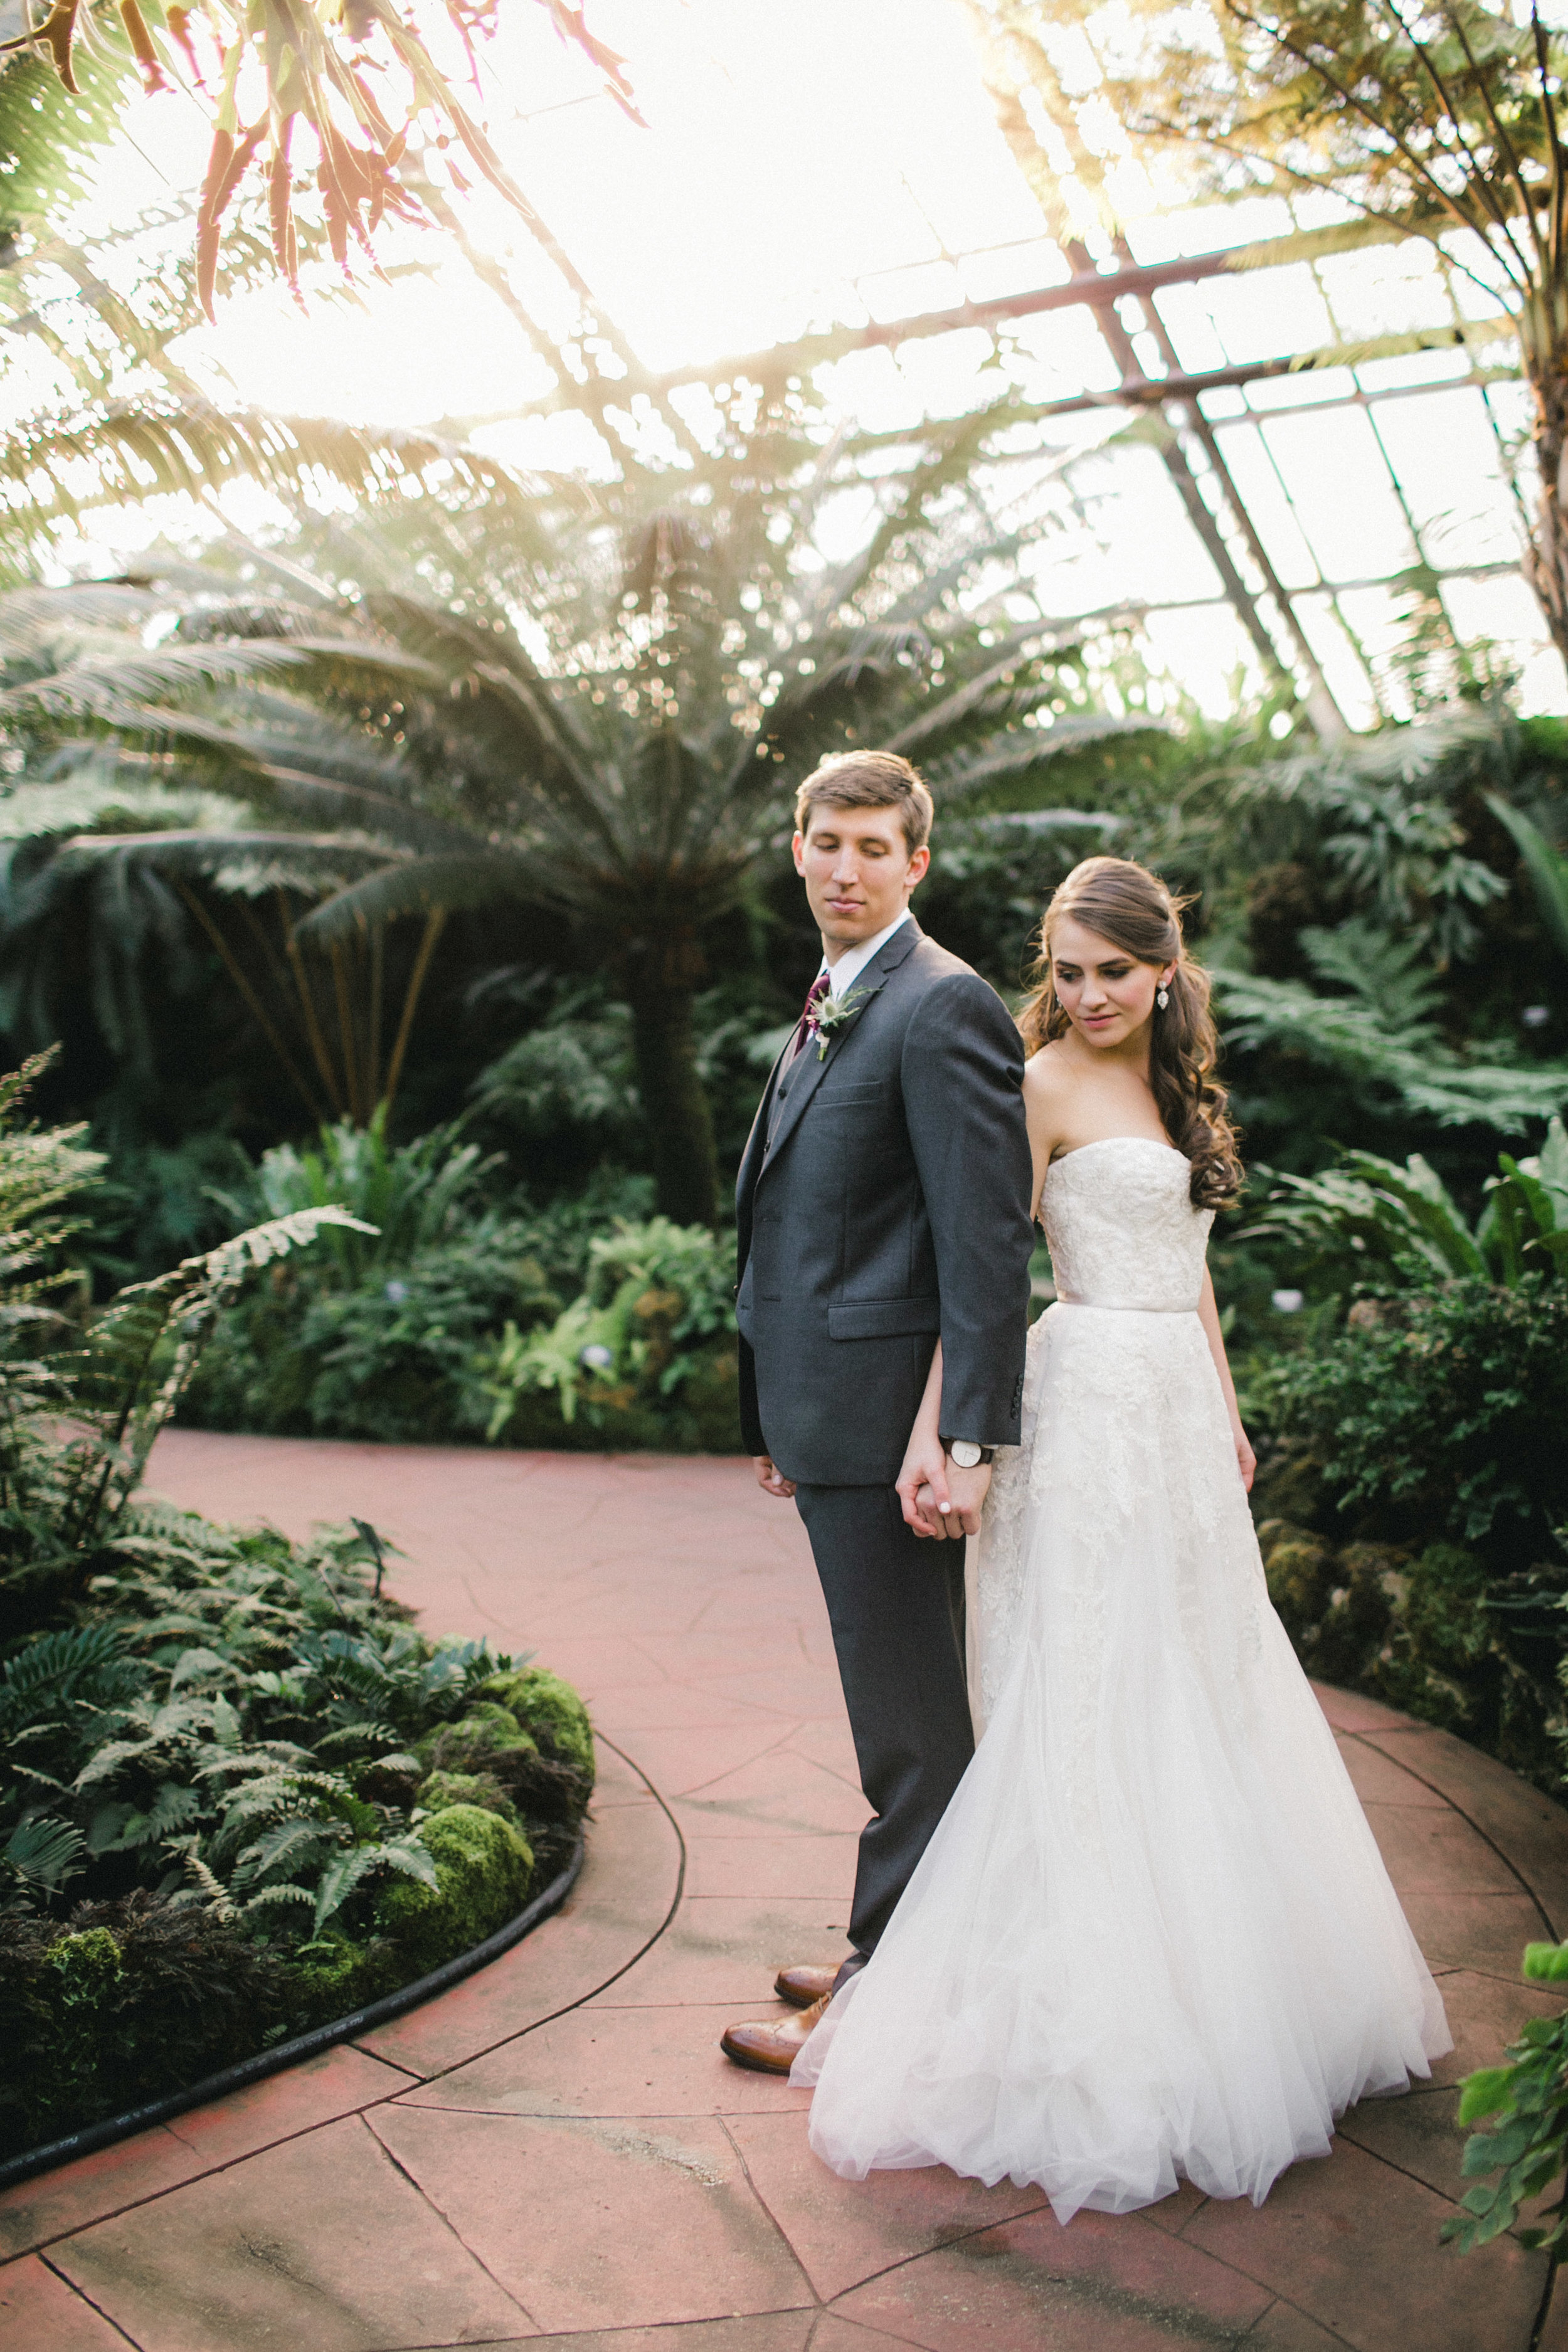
[{"x": 1152, "y": 1936}]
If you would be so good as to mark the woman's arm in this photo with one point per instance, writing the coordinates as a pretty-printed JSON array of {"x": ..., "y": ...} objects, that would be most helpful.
[
  {"x": 1208, "y": 1315},
  {"x": 925, "y": 1463}
]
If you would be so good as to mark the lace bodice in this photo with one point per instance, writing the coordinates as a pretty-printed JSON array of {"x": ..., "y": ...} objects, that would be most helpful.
[{"x": 1120, "y": 1226}]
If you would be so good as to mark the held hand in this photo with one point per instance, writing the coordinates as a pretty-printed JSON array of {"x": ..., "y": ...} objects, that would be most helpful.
[
  {"x": 770, "y": 1480},
  {"x": 923, "y": 1475},
  {"x": 967, "y": 1490},
  {"x": 1245, "y": 1460}
]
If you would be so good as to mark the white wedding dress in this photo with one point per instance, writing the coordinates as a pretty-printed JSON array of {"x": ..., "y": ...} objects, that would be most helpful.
[{"x": 1152, "y": 1936}]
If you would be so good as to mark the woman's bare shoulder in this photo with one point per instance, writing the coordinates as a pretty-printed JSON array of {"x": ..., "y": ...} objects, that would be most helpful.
[{"x": 1048, "y": 1076}]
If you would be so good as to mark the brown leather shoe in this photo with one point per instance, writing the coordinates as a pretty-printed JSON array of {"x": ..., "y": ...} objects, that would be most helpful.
[
  {"x": 769, "y": 2048},
  {"x": 801, "y": 1986}
]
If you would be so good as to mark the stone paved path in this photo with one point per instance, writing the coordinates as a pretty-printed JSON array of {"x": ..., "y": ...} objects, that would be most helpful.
[{"x": 556, "y": 2151}]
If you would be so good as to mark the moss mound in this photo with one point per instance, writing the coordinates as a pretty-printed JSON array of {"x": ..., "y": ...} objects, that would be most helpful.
[
  {"x": 554, "y": 1713},
  {"x": 483, "y": 1868},
  {"x": 442, "y": 1790},
  {"x": 487, "y": 1730}
]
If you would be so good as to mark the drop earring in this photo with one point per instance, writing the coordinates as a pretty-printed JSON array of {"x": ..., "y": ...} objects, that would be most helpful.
[{"x": 1161, "y": 996}]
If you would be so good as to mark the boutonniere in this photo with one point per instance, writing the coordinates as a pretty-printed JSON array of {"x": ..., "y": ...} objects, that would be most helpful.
[{"x": 834, "y": 1013}]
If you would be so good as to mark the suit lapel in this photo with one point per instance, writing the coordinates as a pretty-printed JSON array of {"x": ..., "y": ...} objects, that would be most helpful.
[
  {"x": 883, "y": 964},
  {"x": 751, "y": 1158}
]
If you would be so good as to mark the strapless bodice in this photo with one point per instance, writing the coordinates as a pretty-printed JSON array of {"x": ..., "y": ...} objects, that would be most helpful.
[{"x": 1121, "y": 1228}]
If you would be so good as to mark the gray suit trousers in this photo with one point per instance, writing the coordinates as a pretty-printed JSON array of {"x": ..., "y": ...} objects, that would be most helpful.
[{"x": 895, "y": 1604}]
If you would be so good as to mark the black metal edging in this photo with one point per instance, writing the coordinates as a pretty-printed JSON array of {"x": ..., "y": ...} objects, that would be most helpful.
[{"x": 255, "y": 2068}]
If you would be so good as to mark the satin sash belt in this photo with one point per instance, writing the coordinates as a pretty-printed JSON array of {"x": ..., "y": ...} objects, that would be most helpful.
[{"x": 1117, "y": 1307}]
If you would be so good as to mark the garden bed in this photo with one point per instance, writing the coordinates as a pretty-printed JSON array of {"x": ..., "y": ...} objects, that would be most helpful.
[
  {"x": 254, "y": 2069},
  {"x": 242, "y": 1798}
]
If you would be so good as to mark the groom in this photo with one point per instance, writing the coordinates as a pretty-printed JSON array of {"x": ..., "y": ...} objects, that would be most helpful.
[{"x": 882, "y": 1202}]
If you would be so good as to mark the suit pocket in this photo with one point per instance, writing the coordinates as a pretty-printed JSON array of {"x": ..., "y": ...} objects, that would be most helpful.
[
  {"x": 884, "y": 1318},
  {"x": 831, "y": 1097}
]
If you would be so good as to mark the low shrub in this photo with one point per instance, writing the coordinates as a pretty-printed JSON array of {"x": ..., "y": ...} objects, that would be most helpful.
[
  {"x": 220, "y": 1754},
  {"x": 1410, "y": 1503},
  {"x": 647, "y": 1356}
]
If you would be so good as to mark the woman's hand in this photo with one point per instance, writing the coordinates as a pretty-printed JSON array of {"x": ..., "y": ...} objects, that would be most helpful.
[
  {"x": 921, "y": 1481},
  {"x": 1245, "y": 1460}
]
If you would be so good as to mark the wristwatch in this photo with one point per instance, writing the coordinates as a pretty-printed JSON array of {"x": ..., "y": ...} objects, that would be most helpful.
[{"x": 965, "y": 1455}]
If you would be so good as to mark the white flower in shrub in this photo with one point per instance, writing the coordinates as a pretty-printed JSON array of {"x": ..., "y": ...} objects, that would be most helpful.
[
  {"x": 1290, "y": 1302},
  {"x": 597, "y": 1358}
]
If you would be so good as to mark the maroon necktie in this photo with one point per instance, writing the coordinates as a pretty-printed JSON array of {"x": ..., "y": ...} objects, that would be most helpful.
[{"x": 814, "y": 996}]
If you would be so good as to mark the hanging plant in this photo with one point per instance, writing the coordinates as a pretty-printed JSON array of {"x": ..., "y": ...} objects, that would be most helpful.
[{"x": 308, "y": 65}]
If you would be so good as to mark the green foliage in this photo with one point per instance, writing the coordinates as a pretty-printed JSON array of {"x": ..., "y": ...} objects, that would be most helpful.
[
  {"x": 1367, "y": 1220},
  {"x": 1524, "y": 2101},
  {"x": 128, "y": 2000},
  {"x": 1382, "y": 1036},
  {"x": 377, "y": 1339},
  {"x": 218, "y": 1740},
  {"x": 482, "y": 1869},
  {"x": 648, "y": 1344},
  {"x": 1436, "y": 1411}
]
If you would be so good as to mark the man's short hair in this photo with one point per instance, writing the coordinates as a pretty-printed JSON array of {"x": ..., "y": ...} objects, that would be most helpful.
[{"x": 867, "y": 779}]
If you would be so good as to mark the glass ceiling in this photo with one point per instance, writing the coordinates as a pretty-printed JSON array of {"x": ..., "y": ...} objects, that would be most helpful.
[{"x": 836, "y": 163}]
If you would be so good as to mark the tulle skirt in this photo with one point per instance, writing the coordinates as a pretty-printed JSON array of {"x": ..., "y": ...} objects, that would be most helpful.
[{"x": 1152, "y": 1936}]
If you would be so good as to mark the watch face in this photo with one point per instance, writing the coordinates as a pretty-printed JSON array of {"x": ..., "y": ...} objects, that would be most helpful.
[{"x": 965, "y": 1454}]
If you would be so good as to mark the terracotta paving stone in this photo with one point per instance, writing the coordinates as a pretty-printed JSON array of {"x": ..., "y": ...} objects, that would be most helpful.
[
  {"x": 812, "y": 1867},
  {"x": 319, "y": 2244},
  {"x": 339, "y": 2083},
  {"x": 768, "y": 2331},
  {"x": 1430, "y": 1851},
  {"x": 1488, "y": 1932},
  {"x": 137, "y": 2169},
  {"x": 1351, "y": 1711},
  {"x": 1531, "y": 1831},
  {"x": 624, "y": 1891},
  {"x": 1485, "y": 2014},
  {"x": 722, "y": 1948},
  {"x": 1554, "y": 2333},
  {"x": 604, "y": 2061},
  {"x": 576, "y": 2165},
  {"x": 547, "y": 2206},
  {"x": 39, "y": 2309},
  {"x": 829, "y": 1743},
  {"x": 1283, "y": 2328},
  {"x": 1378, "y": 1779},
  {"x": 1353, "y": 2244},
  {"x": 667, "y": 1706},
  {"x": 781, "y": 1791},
  {"x": 846, "y": 2232},
  {"x": 1104, "y": 2283},
  {"x": 1418, "y": 2134},
  {"x": 835, "y": 2335},
  {"x": 682, "y": 1762}
]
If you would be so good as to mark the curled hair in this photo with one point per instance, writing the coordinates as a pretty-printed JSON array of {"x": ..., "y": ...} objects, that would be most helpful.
[{"x": 1132, "y": 909}]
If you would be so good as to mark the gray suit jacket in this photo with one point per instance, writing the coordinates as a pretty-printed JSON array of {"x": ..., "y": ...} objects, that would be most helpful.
[{"x": 890, "y": 1204}]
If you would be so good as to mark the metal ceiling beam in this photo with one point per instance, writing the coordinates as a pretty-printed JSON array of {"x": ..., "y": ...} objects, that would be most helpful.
[{"x": 1094, "y": 286}]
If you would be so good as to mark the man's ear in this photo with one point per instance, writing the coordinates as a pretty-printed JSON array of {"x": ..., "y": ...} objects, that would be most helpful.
[
  {"x": 797, "y": 851},
  {"x": 920, "y": 864}
]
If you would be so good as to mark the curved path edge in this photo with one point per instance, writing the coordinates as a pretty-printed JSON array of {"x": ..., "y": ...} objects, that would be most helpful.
[
  {"x": 555, "y": 2153},
  {"x": 132, "y": 2163}
]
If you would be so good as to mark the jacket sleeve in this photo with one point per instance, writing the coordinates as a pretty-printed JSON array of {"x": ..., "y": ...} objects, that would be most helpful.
[{"x": 963, "y": 1074}]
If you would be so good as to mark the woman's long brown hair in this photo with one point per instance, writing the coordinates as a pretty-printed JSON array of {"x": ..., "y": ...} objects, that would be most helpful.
[{"x": 1132, "y": 909}]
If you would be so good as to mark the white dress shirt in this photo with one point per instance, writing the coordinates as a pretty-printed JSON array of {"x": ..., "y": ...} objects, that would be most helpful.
[{"x": 842, "y": 975}]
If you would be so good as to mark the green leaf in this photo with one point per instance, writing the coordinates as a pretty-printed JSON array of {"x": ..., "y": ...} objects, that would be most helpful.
[
  {"x": 1546, "y": 1963},
  {"x": 1487, "y": 2093}
]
